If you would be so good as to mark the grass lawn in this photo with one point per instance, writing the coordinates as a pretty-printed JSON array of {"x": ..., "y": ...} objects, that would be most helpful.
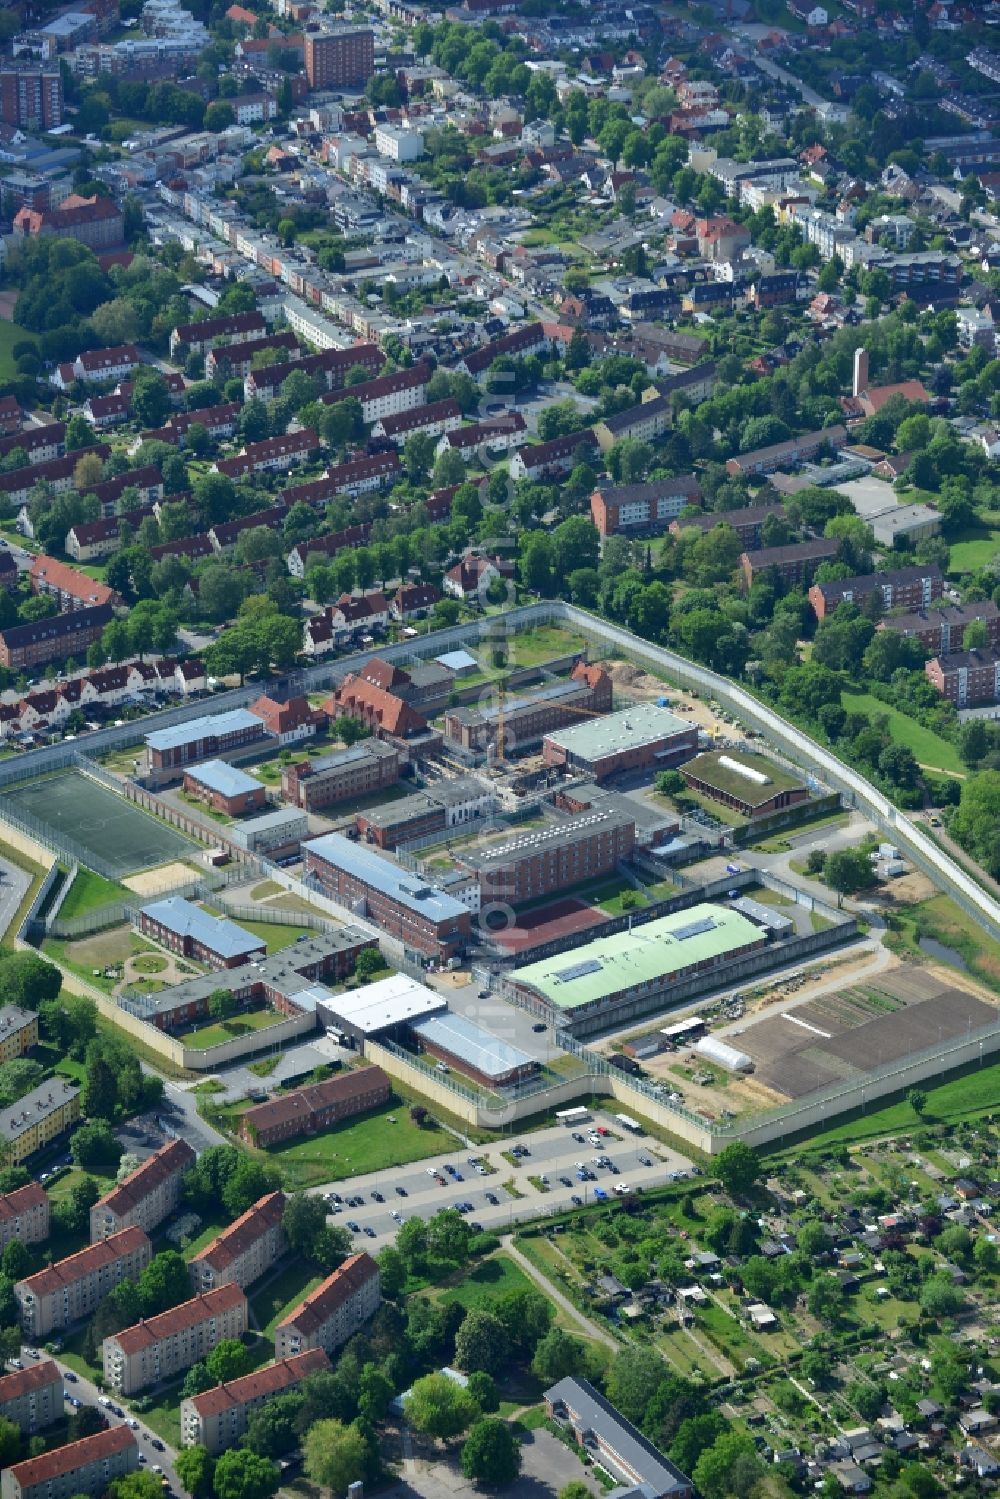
[
  {"x": 976, "y": 546},
  {"x": 88, "y": 892},
  {"x": 210, "y": 1229},
  {"x": 930, "y": 749},
  {"x": 10, "y": 334},
  {"x": 370, "y": 1143},
  {"x": 224, "y": 1030},
  {"x": 718, "y": 810},
  {"x": 276, "y": 936},
  {"x": 943, "y": 921},
  {"x": 164, "y": 1416},
  {"x": 490, "y": 1278},
  {"x": 271, "y": 1301}
]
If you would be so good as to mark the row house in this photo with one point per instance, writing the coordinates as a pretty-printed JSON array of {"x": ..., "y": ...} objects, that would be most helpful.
[
  {"x": 155, "y": 1349},
  {"x": 11, "y": 416},
  {"x": 643, "y": 423},
  {"x": 324, "y": 547},
  {"x": 334, "y": 625},
  {"x": 747, "y": 522},
  {"x": 436, "y": 418},
  {"x": 547, "y": 460},
  {"x": 361, "y": 475},
  {"x": 145, "y": 1197},
  {"x": 74, "y": 1287},
  {"x": 189, "y": 548},
  {"x": 389, "y": 395},
  {"x": 98, "y": 364},
  {"x": 499, "y": 434},
  {"x": 238, "y": 328},
  {"x": 147, "y": 483},
  {"x": 90, "y": 540},
  {"x": 273, "y": 455},
  {"x": 528, "y": 338},
  {"x": 107, "y": 411},
  {"x": 217, "y": 1419},
  {"x": 103, "y": 687},
  {"x": 218, "y": 421},
  {"x": 413, "y": 601},
  {"x": 784, "y": 454},
  {"x": 226, "y": 534},
  {"x": 39, "y": 444},
  {"x": 244, "y": 1251},
  {"x": 229, "y": 361},
  {"x": 56, "y": 472},
  {"x": 331, "y": 367}
]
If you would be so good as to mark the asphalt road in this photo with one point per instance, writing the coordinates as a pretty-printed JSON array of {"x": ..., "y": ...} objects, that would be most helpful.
[
  {"x": 88, "y": 1394},
  {"x": 14, "y": 884},
  {"x": 554, "y": 1153}
]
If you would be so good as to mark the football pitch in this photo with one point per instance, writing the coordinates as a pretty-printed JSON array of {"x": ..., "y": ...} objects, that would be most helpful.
[{"x": 117, "y": 835}]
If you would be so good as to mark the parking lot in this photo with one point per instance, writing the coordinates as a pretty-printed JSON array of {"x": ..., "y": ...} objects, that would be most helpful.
[{"x": 445, "y": 1181}]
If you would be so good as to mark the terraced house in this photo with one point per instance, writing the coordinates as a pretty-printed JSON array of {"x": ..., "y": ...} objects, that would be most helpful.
[
  {"x": 155, "y": 1349},
  {"x": 147, "y": 1195},
  {"x": 73, "y": 1288},
  {"x": 243, "y": 1251}
]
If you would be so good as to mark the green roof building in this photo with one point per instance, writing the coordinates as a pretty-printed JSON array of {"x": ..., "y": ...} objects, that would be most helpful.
[{"x": 643, "y": 960}]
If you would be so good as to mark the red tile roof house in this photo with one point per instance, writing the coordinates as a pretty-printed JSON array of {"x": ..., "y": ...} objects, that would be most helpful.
[
  {"x": 239, "y": 327},
  {"x": 288, "y": 722},
  {"x": 413, "y": 600},
  {"x": 98, "y": 364},
  {"x": 40, "y": 443},
  {"x": 473, "y": 576},
  {"x": 382, "y": 712},
  {"x": 271, "y": 455}
]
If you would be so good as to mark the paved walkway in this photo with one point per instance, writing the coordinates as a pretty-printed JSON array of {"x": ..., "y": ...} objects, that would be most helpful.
[{"x": 554, "y": 1294}]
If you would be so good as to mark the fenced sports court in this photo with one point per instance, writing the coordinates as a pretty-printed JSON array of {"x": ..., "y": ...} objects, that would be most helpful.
[{"x": 92, "y": 825}]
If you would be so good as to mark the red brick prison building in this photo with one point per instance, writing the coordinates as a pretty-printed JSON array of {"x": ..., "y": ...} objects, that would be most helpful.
[
  {"x": 357, "y": 771},
  {"x": 205, "y": 738},
  {"x": 526, "y": 720},
  {"x": 225, "y": 788},
  {"x": 188, "y": 930},
  {"x": 306, "y": 1111}
]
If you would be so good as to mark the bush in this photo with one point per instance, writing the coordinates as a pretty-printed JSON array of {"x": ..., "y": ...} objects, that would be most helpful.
[{"x": 484, "y": 1243}]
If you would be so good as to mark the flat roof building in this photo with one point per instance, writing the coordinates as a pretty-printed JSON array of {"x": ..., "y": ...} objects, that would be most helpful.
[
  {"x": 603, "y": 976},
  {"x": 748, "y": 784},
  {"x": 558, "y": 856},
  {"x": 211, "y": 735},
  {"x": 187, "y": 929},
  {"x": 424, "y": 919},
  {"x": 334, "y": 1312},
  {"x": 217, "y": 1418},
  {"x": 620, "y": 1448},
  {"x": 385, "y": 1005},
  {"x": 369, "y": 766},
  {"x": 88, "y": 1466},
  {"x": 640, "y": 736},
  {"x": 476, "y": 1052},
  {"x": 526, "y": 720},
  {"x": 277, "y": 832}
]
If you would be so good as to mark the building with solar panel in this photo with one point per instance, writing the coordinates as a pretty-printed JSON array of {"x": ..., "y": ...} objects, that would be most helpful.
[
  {"x": 530, "y": 865},
  {"x": 634, "y": 971}
]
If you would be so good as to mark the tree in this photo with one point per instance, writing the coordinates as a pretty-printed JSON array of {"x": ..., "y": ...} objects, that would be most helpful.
[
  {"x": 94, "y": 1147},
  {"x": 490, "y": 1453},
  {"x": 250, "y": 1181},
  {"x": 694, "y": 1436},
  {"x": 335, "y": 1455},
  {"x": 271, "y": 1428},
  {"x": 88, "y": 472},
  {"x": 195, "y": 1468},
  {"x": 729, "y": 1467},
  {"x": 848, "y": 870},
  {"x": 164, "y": 1283},
  {"x": 483, "y": 1389},
  {"x": 221, "y": 1004},
  {"x": 975, "y": 823},
  {"x": 219, "y": 116},
  {"x": 439, "y": 1407},
  {"x": 27, "y": 980},
  {"x": 393, "y": 1272},
  {"x": 481, "y": 1343},
  {"x": 917, "y": 1099},
  {"x": 375, "y": 1394},
  {"x": 243, "y": 1475},
  {"x": 135, "y": 1486},
  {"x": 738, "y": 1168},
  {"x": 150, "y": 396},
  {"x": 557, "y": 1355},
  {"x": 633, "y": 1379},
  {"x": 368, "y": 962},
  {"x": 16, "y": 1261},
  {"x": 18, "y": 1077},
  {"x": 228, "y": 1360},
  {"x": 826, "y": 1299},
  {"x": 10, "y": 1442},
  {"x": 940, "y": 1297}
]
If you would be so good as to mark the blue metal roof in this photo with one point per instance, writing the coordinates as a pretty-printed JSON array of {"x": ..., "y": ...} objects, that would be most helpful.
[
  {"x": 219, "y": 775},
  {"x": 468, "y": 1042},
  {"x": 399, "y": 884},
  {"x": 216, "y": 932},
  {"x": 202, "y": 728}
]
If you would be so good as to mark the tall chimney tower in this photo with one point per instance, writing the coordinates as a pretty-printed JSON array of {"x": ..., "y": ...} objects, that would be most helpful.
[{"x": 860, "y": 371}]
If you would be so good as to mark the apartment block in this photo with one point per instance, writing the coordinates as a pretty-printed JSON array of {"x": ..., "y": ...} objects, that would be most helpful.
[
  {"x": 165, "y": 1345},
  {"x": 905, "y": 588},
  {"x": 72, "y": 1289},
  {"x": 747, "y": 523},
  {"x": 792, "y": 565},
  {"x": 31, "y": 95},
  {"x": 642, "y": 507},
  {"x": 334, "y": 1312},
  {"x": 18, "y": 1032},
  {"x": 243, "y": 1251},
  {"x": 24, "y": 1215},
  {"x": 147, "y": 1195},
  {"x": 84, "y": 1467},
  {"x": 786, "y": 454},
  {"x": 38, "y": 1117},
  {"x": 218, "y": 1418},
  {"x": 337, "y": 59},
  {"x": 33, "y": 1397},
  {"x": 966, "y": 677},
  {"x": 942, "y": 631}
]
